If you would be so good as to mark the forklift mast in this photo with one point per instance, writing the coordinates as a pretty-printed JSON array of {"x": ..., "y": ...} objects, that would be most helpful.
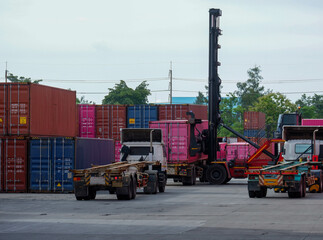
[{"x": 214, "y": 82}]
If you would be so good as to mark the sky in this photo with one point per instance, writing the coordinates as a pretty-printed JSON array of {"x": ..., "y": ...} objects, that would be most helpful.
[{"x": 89, "y": 46}]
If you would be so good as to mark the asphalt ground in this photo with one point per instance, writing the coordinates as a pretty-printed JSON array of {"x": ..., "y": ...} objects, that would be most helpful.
[{"x": 199, "y": 212}]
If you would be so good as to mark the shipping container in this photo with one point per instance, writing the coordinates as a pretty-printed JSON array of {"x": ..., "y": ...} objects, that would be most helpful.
[
  {"x": 139, "y": 116},
  {"x": 91, "y": 151},
  {"x": 14, "y": 168},
  {"x": 254, "y": 120},
  {"x": 110, "y": 119},
  {"x": 117, "y": 148},
  {"x": 176, "y": 136},
  {"x": 254, "y": 133},
  {"x": 1, "y": 166},
  {"x": 178, "y": 111},
  {"x": 86, "y": 119},
  {"x": 312, "y": 122},
  {"x": 37, "y": 110},
  {"x": 221, "y": 155},
  {"x": 50, "y": 160}
]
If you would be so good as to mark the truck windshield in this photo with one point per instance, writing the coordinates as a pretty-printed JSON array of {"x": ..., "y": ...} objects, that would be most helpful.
[{"x": 301, "y": 148}]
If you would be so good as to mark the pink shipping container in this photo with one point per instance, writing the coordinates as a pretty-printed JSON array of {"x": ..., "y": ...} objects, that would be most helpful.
[
  {"x": 254, "y": 120},
  {"x": 221, "y": 155},
  {"x": 13, "y": 167},
  {"x": 312, "y": 122},
  {"x": 37, "y": 110},
  {"x": 176, "y": 136},
  {"x": 239, "y": 152},
  {"x": 117, "y": 147},
  {"x": 86, "y": 120},
  {"x": 110, "y": 119},
  {"x": 178, "y": 111}
]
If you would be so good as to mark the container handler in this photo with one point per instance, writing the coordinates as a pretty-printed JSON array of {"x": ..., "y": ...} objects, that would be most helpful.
[
  {"x": 143, "y": 165},
  {"x": 299, "y": 168}
]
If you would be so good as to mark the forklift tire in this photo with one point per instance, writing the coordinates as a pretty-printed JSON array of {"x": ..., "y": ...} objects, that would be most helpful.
[
  {"x": 252, "y": 194},
  {"x": 227, "y": 180},
  {"x": 216, "y": 174}
]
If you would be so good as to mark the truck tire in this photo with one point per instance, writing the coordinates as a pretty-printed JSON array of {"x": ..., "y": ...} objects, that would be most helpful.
[
  {"x": 252, "y": 194},
  {"x": 304, "y": 186},
  {"x": 321, "y": 183},
  {"x": 216, "y": 174},
  {"x": 187, "y": 181},
  {"x": 300, "y": 192},
  {"x": 79, "y": 198},
  {"x": 92, "y": 194},
  {"x": 134, "y": 187},
  {"x": 152, "y": 185},
  {"x": 125, "y": 193},
  {"x": 162, "y": 185}
]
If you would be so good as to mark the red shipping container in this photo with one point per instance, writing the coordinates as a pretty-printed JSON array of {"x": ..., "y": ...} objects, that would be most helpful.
[
  {"x": 37, "y": 110},
  {"x": 178, "y": 111},
  {"x": 312, "y": 122},
  {"x": 86, "y": 120},
  {"x": 110, "y": 119},
  {"x": 14, "y": 165},
  {"x": 254, "y": 120}
]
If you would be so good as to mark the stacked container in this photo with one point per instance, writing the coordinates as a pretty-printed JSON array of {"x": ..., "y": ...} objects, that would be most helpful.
[
  {"x": 178, "y": 111},
  {"x": 312, "y": 122},
  {"x": 254, "y": 124},
  {"x": 86, "y": 115},
  {"x": 110, "y": 119},
  {"x": 139, "y": 116},
  {"x": 31, "y": 110}
]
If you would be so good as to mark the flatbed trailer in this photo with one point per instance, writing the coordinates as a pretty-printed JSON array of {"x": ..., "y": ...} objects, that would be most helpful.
[
  {"x": 294, "y": 177},
  {"x": 122, "y": 178}
]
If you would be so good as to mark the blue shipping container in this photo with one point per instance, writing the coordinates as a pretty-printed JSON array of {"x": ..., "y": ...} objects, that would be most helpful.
[
  {"x": 254, "y": 133},
  {"x": 50, "y": 160},
  {"x": 138, "y": 116}
]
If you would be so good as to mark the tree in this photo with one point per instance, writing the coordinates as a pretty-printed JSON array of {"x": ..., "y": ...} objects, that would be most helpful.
[
  {"x": 13, "y": 78},
  {"x": 82, "y": 100},
  {"x": 201, "y": 98},
  {"x": 272, "y": 105},
  {"x": 122, "y": 94},
  {"x": 311, "y": 107},
  {"x": 250, "y": 91}
]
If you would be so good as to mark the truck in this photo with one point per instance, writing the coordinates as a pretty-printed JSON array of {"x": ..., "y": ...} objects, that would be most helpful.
[
  {"x": 298, "y": 169},
  {"x": 143, "y": 165}
]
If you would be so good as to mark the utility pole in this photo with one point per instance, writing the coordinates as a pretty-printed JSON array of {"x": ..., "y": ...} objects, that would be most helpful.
[
  {"x": 170, "y": 74},
  {"x": 6, "y": 73}
]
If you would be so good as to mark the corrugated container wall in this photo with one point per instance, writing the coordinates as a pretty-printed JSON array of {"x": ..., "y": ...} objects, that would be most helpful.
[
  {"x": 86, "y": 117},
  {"x": 139, "y": 116},
  {"x": 117, "y": 149},
  {"x": 254, "y": 133},
  {"x": 254, "y": 120},
  {"x": 14, "y": 168},
  {"x": 176, "y": 136},
  {"x": 90, "y": 151},
  {"x": 37, "y": 110},
  {"x": 110, "y": 119},
  {"x": 50, "y": 160},
  {"x": 178, "y": 111},
  {"x": 312, "y": 122}
]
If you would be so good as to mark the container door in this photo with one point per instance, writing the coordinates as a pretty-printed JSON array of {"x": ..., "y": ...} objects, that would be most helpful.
[
  {"x": 3, "y": 109},
  {"x": 1, "y": 166},
  {"x": 87, "y": 121},
  {"x": 178, "y": 142},
  {"x": 63, "y": 156},
  {"x": 18, "y": 109},
  {"x": 150, "y": 113},
  {"x": 134, "y": 118},
  {"x": 40, "y": 165},
  {"x": 118, "y": 120},
  {"x": 15, "y": 165},
  {"x": 103, "y": 119}
]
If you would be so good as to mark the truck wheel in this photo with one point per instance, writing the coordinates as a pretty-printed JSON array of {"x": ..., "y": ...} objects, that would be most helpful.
[
  {"x": 321, "y": 183},
  {"x": 152, "y": 184},
  {"x": 252, "y": 194},
  {"x": 259, "y": 194},
  {"x": 194, "y": 176},
  {"x": 187, "y": 181},
  {"x": 92, "y": 194},
  {"x": 125, "y": 193},
  {"x": 216, "y": 174},
  {"x": 134, "y": 187},
  {"x": 79, "y": 198},
  {"x": 162, "y": 185},
  {"x": 304, "y": 187},
  {"x": 264, "y": 191}
]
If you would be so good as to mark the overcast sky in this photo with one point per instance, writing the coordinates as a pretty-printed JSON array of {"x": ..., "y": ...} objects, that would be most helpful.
[{"x": 103, "y": 41}]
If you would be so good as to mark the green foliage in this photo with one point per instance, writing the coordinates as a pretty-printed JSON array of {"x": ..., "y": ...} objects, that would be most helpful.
[
  {"x": 311, "y": 107},
  {"x": 272, "y": 105},
  {"x": 82, "y": 100},
  {"x": 122, "y": 94},
  {"x": 13, "y": 78},
  {"x": 201, "y": 99},
  {"x": 250, "y": 91}
]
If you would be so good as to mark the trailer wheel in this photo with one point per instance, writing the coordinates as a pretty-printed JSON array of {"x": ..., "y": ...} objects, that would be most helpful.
[
  {"x": 162, "y": 186},
  {"x": 134, "y": 187},
  {"x": 125, "y": 193},
  {"x": 92, "y": 194},
  {"x": 216, "y": 174},
  {"x": 252, "y": 194},
  {"x": 79, "y": 198},
  {"x": 264, "y": 191},
  {"x": 187, "y": 181},
  {"x": 304, "y": 187},
  {"x": 320, "y": 183}
]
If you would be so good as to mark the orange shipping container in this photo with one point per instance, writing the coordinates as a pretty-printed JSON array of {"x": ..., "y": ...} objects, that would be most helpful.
[
  {"x": 178, "y": 111},
  {"x": 37, "y": 110},
  {"x": 254, "y": 120}
]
